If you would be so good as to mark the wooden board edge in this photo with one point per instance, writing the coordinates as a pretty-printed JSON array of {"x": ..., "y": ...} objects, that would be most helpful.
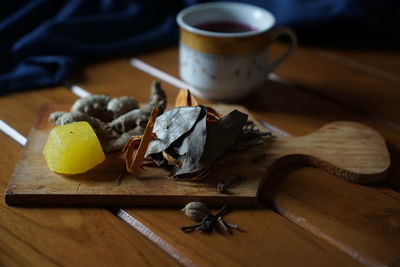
[{"x": 15, "y": 198}]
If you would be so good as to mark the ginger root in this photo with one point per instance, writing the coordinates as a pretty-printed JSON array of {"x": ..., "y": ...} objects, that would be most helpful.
[
  {"x": 114, "y": 120},
  {"x": 100, "y": 128},
  {"x": 139, "y": 117},
  {"x": 119, "y": 142},
  {"x": 94, "y": 106},
  {"x": 121, "y": 105}
]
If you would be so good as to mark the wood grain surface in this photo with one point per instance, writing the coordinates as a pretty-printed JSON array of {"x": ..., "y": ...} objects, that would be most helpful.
[
  {"x": 55, "y": 236},
  {"x": 267, "y": 239},
  {"x": 380, "y": 63},
  {"x": 298, "y": 112},
  {"x": 316, "y": 219},
  {"x": 163, "y": 222},
  {"x": 375, "y": 93}
]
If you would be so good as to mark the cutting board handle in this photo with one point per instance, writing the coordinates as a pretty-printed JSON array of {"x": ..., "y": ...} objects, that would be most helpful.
[{"x": 349, "y": 150}]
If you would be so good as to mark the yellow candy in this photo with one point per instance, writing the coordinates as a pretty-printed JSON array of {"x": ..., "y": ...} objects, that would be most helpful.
[{"x": 73, "y": 148}]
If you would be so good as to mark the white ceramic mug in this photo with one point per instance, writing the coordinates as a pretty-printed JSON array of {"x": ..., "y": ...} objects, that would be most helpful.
[{"x": 224, "y": 65}]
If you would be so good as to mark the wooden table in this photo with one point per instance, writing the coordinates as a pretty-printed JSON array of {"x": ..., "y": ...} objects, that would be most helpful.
[{"x": 306, "y": 217}]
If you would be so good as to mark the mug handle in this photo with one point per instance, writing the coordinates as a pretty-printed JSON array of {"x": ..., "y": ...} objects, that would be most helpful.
[{"x": 284, "y": 31}]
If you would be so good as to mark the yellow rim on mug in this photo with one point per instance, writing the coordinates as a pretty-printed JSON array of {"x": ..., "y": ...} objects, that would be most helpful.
[{"x": 226, "y": 45}]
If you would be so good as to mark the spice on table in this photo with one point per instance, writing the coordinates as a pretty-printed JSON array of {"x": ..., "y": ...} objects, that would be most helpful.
[
  {"x": 196, "y": 210},
  {"x": 208, "y": 223},
  {"x": 222, "y": 187},
  {"x": 134, "y": 157},
  {"x": 251, "y": 136},
  {"x": 224, "y": 225}
]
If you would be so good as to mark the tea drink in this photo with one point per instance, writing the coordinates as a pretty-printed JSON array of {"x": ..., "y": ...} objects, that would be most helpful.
[{"x": 225, "y": 26}]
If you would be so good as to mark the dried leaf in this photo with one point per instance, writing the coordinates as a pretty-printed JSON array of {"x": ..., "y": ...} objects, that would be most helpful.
[
  {"x": 171, "y": 125},
  {"x": 206, "y": 143},
  {"x": 135, "y": 158},
  {"x": 222, "y": 135},
  {"x": 185, "y": 99},
  {"x": 191, "y": 148}
]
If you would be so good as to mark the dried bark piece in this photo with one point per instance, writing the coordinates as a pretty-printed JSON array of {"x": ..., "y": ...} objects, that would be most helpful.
[
  {"x": 212, "y": 115},
  {"x": 130, "y": 149},
  {"x": 148, "y": 162},
  {"x": 171, "y": 160},
  {"x": 134, "y": 141},
  {"x": 185, "y": 99},
  {"x": 134, "y": 158}
]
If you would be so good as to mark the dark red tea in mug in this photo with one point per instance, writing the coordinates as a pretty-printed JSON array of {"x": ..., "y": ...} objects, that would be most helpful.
[{"x": 225, "y": 27}]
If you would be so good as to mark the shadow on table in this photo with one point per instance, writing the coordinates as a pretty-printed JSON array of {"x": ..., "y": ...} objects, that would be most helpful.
[{"x": 283, "y": 105}]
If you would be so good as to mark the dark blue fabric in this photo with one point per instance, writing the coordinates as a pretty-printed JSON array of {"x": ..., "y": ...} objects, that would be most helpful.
[{"x": 40, "y": 41}]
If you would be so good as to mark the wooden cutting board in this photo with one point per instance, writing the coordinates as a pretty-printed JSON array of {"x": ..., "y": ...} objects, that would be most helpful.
[{"x": 349, "y": 150}]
